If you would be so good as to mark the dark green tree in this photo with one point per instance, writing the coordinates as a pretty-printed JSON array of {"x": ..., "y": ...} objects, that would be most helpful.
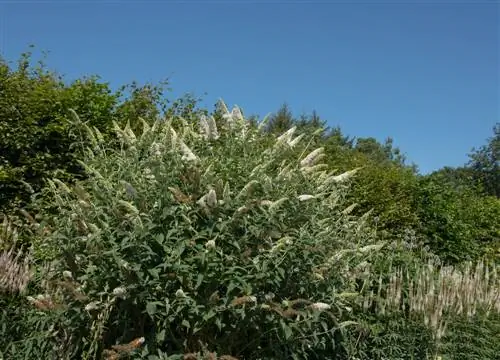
[
  {"x": 281, "y": 121},
  {"x": 485, "y": 163}
]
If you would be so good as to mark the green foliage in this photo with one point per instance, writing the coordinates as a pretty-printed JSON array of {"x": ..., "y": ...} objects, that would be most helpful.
[
  {"x": 379, "y": 153},
  {"x": 485, "y": 163},
  {"x": 206, "y": 250},
  {"x": 36, "y": 141},
  {"x": 281, "y": 121},
  {"x": 459, "y": 224},
  {"x": 159, "y": 231},
  {"x": 475, "y": 338}
]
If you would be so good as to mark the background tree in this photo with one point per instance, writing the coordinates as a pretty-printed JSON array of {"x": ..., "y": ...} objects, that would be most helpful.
[
  {"x": 281, "y": 121},
  {"x": 485, "y": 163}
]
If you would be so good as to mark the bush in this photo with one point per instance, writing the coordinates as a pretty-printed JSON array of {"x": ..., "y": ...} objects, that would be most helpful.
[
  {"x": 36, "y": 141},
  {"x": 189, "y": 240},
  {"x": 197, "y": 241},
  {"x": 458, "y": 223}
]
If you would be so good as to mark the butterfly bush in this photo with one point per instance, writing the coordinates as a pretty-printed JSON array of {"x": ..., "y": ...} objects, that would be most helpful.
[{"x": 202, "y": 240}]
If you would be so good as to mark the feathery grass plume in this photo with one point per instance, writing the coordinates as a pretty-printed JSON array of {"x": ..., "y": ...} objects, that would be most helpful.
[
  {"x": 264, "y": 122},
  {"x": 81, "y": 193},
  {"x": 156, "y": 150},
  {"x": 8, "y": 233},
  {"x": 15, "y": 271},
  {"x": 256, "y": 170},
  {"x": 77, "y": 121},
  {"x": 438, "y": 292},
  {"x": 313, "y": 157}
]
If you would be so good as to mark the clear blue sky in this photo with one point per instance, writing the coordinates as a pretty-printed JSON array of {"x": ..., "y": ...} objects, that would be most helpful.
[{"x": 424, "y": 72}]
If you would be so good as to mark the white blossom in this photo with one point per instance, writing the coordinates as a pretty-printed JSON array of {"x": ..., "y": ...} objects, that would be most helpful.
[
  {"x": 92, "y": 305},
  {"x": 180, "y": 293},
  {"x": 187, "y": 154},
  {"x": 305, "y": 197},
  {"x": 320, "y": 306},
  {"x": 313, "y": 157},
  {"x": 210, "y": 244},
  {"x": 119, "y": 292}
]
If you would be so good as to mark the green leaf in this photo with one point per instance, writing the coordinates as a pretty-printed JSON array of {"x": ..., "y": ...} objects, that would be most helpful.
[
  {"x": 199, "y": 280},
  {"x": 151, "y": 308},
  {"x": 286, "y": 330},
  {"x": 185, "y": 323},
  {"x": 160, "y": 337}
]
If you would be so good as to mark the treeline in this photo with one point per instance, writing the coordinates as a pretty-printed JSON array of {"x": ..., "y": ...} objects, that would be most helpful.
[{"x": 453, "y": 211}]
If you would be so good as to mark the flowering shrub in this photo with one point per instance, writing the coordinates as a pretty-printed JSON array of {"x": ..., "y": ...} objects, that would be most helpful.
[
  {"x": 191, "y": 241},
  {"x": 216, "y": 241}
]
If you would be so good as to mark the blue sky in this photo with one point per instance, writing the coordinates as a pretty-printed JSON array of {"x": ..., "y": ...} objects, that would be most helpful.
[{"x": 423, "y": 72}]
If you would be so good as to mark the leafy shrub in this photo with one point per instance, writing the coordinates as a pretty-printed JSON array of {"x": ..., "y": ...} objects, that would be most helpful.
[
  {"x": 35, "y": 138},
  {"x": 458, "y": 223},
  {"x": 197, "y": 241}
]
